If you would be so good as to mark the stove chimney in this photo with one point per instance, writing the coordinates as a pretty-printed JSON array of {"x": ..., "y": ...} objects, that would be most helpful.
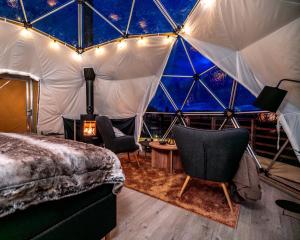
[{"x": 89, "y": 76}]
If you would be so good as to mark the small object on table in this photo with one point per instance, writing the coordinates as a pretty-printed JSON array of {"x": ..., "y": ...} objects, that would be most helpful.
[
  {"x": 164, "y": 156},
  {"x": 171, "y": 141},
  {"x": 162, "y": 142}
]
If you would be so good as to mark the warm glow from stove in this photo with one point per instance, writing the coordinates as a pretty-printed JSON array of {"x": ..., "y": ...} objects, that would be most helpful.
[{"x": 89, "y": 128}]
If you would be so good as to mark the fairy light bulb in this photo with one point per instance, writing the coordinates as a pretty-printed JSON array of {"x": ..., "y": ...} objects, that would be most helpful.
[
  {"x": 168, "y": 40},
  {"x": 26, "y": 33},
  {"x": 122, "y": 44},
  {"x": 207, "y": 4},
  {"x": 186, "y": 30},
  {"x": 54, "y": 45},
  {"x": 99, "y": 51},
  {"x": 76, "y": 56},
  {"x": 142, "y": 41}
]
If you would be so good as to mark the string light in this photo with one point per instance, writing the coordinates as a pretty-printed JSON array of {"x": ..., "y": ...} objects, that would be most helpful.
[
  {"x": 168, "y": 40},
  {"x": 142, "y": 41},
  {"x": 207, "y": 3},
  {"x": 26, "y": 33},
  {"x": 122, "y": 44},
  {"x": 54, "y": 45},
  {"x": 76, "y": 56},
  {"x": 99, "y": 51},
  {"x": 186, "y": 30}
]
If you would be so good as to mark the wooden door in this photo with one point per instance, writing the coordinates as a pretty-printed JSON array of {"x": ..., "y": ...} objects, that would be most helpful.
[{"x": 15, "y": 102}]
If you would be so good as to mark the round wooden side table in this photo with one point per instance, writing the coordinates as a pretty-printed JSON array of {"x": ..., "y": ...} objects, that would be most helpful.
[{"x": 165, "y": 156}]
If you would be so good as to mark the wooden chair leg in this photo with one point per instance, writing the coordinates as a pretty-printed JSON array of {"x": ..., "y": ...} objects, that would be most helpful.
[
  {"x": 128, "y": 156},
  {"x": 184, "y": 186},
  {"x": 227, "y": 196},
  {"x": 137, "y": 159},
  {"x": 107, "y": 236}
]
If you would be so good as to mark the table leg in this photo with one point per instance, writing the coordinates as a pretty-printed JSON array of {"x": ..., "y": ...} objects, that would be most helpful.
[{"x": 171, "y": 161}]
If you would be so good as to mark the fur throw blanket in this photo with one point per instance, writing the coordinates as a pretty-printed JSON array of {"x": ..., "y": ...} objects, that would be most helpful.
[{"x": 35, "y": 169}]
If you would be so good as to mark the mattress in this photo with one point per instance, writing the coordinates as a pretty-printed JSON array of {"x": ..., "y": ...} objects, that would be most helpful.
[{"x": 36, "y": 169}]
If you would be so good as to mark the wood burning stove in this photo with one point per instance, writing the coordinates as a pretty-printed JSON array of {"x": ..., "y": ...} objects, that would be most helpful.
[
  {"x": 89, "y": 128},
  {"x": 88, "y": 122}
]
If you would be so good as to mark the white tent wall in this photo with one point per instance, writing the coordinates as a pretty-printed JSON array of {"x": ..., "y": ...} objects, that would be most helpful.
[
  {"x": 257, "y": 43},
  {"x": 127, "y": 77}
]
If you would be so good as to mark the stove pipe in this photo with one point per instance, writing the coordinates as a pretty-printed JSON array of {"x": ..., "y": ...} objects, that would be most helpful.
[{"x": 89, "y": 76}]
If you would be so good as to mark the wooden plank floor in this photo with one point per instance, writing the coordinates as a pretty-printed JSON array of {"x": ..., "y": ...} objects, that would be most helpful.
[{"x": 143, "y": 217}]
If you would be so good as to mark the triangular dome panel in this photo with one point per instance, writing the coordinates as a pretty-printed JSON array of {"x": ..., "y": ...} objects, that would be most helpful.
[
  {"x": 116, "y": 11},
  {"x": 201, "y": 101},
  {"x": 178, "y": 88},
  {"x": 160, "y": 103},
  {"x": 219, "y": 83},
  {"x": 99, "y": 31},
  {"x": 38, "y": 8},
  {"x": 147, "y": 18},
  {"x": 200, "y": 62},
  {"x": 244, "y": 100},
  {"x": 178, "y": 63},
  {"x": 11, "y": 10},
  {"x": 179, "y": 10},
  {"x": 62, "y": 24}
]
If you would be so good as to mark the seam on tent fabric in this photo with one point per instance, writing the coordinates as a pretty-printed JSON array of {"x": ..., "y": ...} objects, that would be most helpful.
[{"x": 149, "y": 99}]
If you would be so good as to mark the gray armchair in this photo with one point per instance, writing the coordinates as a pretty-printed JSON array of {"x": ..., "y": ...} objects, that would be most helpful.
[
  {"x": 124, "y": 144},
  {"x": 212, "y": 155}
]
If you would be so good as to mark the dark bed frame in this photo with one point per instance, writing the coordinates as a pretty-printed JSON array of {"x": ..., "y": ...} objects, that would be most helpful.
[{"x": 90, "y": 215}]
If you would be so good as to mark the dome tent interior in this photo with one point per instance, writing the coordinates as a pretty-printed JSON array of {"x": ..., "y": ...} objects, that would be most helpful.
[{"x": 160, "y": 57}]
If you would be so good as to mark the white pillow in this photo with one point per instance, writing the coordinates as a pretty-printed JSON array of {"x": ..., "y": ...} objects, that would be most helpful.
[{"x": 118, "y": 132}]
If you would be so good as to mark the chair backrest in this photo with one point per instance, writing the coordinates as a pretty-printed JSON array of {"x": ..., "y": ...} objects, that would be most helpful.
[
  {"x": 105, "y": 128},
  {"x": 69, "y": 129},
  {"x": 211, "y": 154}
]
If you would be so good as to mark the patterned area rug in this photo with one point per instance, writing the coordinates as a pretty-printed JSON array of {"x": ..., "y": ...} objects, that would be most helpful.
[{"x": 206, "y": 199}]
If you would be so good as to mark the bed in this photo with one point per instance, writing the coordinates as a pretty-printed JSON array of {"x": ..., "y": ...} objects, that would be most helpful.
[{"x": 52, "y": 188}]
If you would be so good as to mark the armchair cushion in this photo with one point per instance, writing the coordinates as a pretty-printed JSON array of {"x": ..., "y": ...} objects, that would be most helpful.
[
  {"x": 211, "y": 154},
  {"x": 124, "y": 144},
  {"x": 118, "y": 132}
]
